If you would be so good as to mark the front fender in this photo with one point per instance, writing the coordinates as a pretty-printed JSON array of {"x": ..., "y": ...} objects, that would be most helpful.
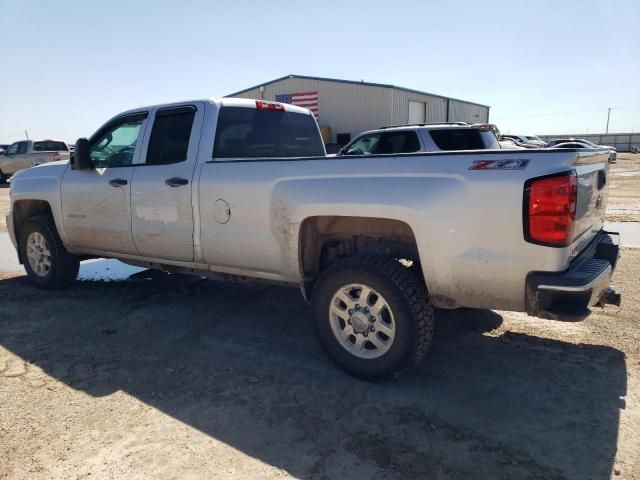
[{"x": 40, "y": 184}]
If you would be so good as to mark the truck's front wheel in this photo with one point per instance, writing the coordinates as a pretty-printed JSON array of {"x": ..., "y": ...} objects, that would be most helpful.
[
  {"x": 373, "y": 316},
  {"x": 47, "y": 262}
]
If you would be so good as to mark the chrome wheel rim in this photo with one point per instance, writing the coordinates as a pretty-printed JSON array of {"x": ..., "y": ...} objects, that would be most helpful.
[
  {"x": 362, "y": 321},
  {"x": 38, "y": 254}
]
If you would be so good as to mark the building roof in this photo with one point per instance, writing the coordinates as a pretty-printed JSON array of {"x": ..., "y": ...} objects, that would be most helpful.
[{"x": 353, "y": 82}]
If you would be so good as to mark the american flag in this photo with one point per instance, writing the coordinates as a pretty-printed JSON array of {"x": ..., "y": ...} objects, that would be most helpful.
[{"x": 303, "y": 99}]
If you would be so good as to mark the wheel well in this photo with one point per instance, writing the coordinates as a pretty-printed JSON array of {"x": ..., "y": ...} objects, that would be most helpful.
[
  {"x": 23, "y": 210},
  {"x": 324, "y": 240}
]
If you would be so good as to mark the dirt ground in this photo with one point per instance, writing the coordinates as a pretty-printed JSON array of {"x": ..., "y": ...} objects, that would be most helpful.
[
  {"x": 624, "y": 189},
  {"x": 4, "y": 206},
  {"x": 173, "y": 377},
  {"x": 164, "y": 376}
]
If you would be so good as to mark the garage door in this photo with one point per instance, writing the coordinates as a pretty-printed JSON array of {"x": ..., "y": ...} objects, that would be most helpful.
[{"x": 417, "y": 112}]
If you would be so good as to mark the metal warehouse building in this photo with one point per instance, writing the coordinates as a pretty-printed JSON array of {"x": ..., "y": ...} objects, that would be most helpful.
[{"x": 348, "y": 107}]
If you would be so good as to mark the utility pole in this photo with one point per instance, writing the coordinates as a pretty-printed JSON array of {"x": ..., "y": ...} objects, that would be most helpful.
[
  {"x": 26, "y": 134},
  {"x": 608, "y": 115}
]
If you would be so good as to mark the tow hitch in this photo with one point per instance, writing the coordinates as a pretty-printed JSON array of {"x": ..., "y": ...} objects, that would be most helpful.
[{"x": 609, "y": 297}]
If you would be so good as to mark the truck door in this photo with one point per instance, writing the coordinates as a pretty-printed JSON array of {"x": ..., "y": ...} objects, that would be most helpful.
[
  {"x": 96, "y": 204},
  {"x": 162, "y": 215},
  {"x": 14, "y": 161},
  {"x": 22, "y": 160},
  {"x": 8, "y": 161}
]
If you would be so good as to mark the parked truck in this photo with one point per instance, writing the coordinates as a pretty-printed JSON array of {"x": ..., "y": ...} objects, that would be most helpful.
[
  {"x": 235, "y": 189},
  {"x": 29, "y": 153}
]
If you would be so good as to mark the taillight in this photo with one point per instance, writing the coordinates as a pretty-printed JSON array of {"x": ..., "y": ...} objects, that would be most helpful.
[
  {"x": 262, "y": 105},
  {"x": 550, "y": 209}
]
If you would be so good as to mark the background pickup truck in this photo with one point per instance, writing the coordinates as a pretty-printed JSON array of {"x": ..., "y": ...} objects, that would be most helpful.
[
  {"x": 27, "y": 153},
  {"x": 235, "y": 188}
]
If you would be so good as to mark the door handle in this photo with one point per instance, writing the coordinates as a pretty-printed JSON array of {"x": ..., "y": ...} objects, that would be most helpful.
[
  {"x": 176, "y": 182},
  {"x": 118, "y": 182}
]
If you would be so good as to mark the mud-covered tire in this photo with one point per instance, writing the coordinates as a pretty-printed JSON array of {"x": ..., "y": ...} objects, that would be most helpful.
[
  {"x": 64, "y": 266},
  {"x": 405, "y": 293}
]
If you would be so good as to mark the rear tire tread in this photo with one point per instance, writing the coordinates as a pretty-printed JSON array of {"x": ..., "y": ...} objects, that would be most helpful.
[{"x": 414, "y": 291}]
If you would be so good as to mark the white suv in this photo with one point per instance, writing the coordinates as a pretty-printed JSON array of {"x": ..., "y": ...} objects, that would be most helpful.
[{"x": 423, "y": 138}]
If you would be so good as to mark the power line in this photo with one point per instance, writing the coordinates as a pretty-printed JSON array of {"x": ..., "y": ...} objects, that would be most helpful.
[
  {"x": 14, "y": 134},
  {"x": 552, "y": 114}
]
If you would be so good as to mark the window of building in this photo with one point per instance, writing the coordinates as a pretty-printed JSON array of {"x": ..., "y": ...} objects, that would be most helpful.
[{"x": 343, "y": 138}]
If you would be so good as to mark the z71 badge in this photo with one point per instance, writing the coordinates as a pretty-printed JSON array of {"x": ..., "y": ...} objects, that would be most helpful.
[{"x": 519, "y": 164}]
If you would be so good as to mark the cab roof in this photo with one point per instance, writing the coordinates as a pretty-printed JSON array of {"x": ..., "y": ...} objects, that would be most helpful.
[{"x": 221, "y": 102}]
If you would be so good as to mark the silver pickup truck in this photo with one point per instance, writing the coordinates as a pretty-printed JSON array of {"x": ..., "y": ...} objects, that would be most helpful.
[
  {"x": 235, "y": 188},
  {"x": 29, "y": 153}
]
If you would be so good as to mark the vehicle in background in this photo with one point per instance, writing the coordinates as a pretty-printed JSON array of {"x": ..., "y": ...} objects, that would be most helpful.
[
  {"x": 29, "y": 153},
  {"x": 509, "y": 144},
  {"x": 535, "y": 139},
  {"x": 437, "y": 137},
  {"x": 3, "y": 148},
  {"x": 582, "y": 144},
  {"x": 572, "y": 145},
  {"x": 234, "y": 188},
  {"x": 591, "y": 144},
  {"x": 523, "y": 141}
]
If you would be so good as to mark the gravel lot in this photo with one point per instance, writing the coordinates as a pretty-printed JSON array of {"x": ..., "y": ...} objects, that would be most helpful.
[
  {"x": 4, "y": 206},
  {"x": 173, "y": 377}
]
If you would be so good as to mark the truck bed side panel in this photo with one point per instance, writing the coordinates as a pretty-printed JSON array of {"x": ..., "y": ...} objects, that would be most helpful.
[{"x": 467, "y": 223}]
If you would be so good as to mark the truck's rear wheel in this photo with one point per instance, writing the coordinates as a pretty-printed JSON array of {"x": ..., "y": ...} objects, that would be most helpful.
[
  {"x": 3, "y": 178},
  {"x": 47, "y": 262},
  {"x": 373, "y": 316}
]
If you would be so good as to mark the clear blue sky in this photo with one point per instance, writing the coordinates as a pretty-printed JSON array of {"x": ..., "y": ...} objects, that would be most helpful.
[{"x": 67, "y": 66}]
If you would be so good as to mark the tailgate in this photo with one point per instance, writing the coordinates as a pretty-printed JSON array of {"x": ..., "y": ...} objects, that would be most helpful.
[{"x": 592, "y": 169}]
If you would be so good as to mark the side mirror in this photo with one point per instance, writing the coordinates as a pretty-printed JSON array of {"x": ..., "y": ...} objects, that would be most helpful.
[{"x": 80, "y": 159}]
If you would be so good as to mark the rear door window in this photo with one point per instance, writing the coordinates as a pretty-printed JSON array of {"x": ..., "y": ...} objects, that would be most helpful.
[
  {"x": 464, "y": 139},
  {"x": 254, "y": 133},
  {"x": 398, "y": 142},
  {"x": 170, "y": 135}
]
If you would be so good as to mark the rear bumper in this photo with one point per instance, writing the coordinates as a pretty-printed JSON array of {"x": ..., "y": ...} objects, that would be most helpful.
[{"x": 568, "y": 295}]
